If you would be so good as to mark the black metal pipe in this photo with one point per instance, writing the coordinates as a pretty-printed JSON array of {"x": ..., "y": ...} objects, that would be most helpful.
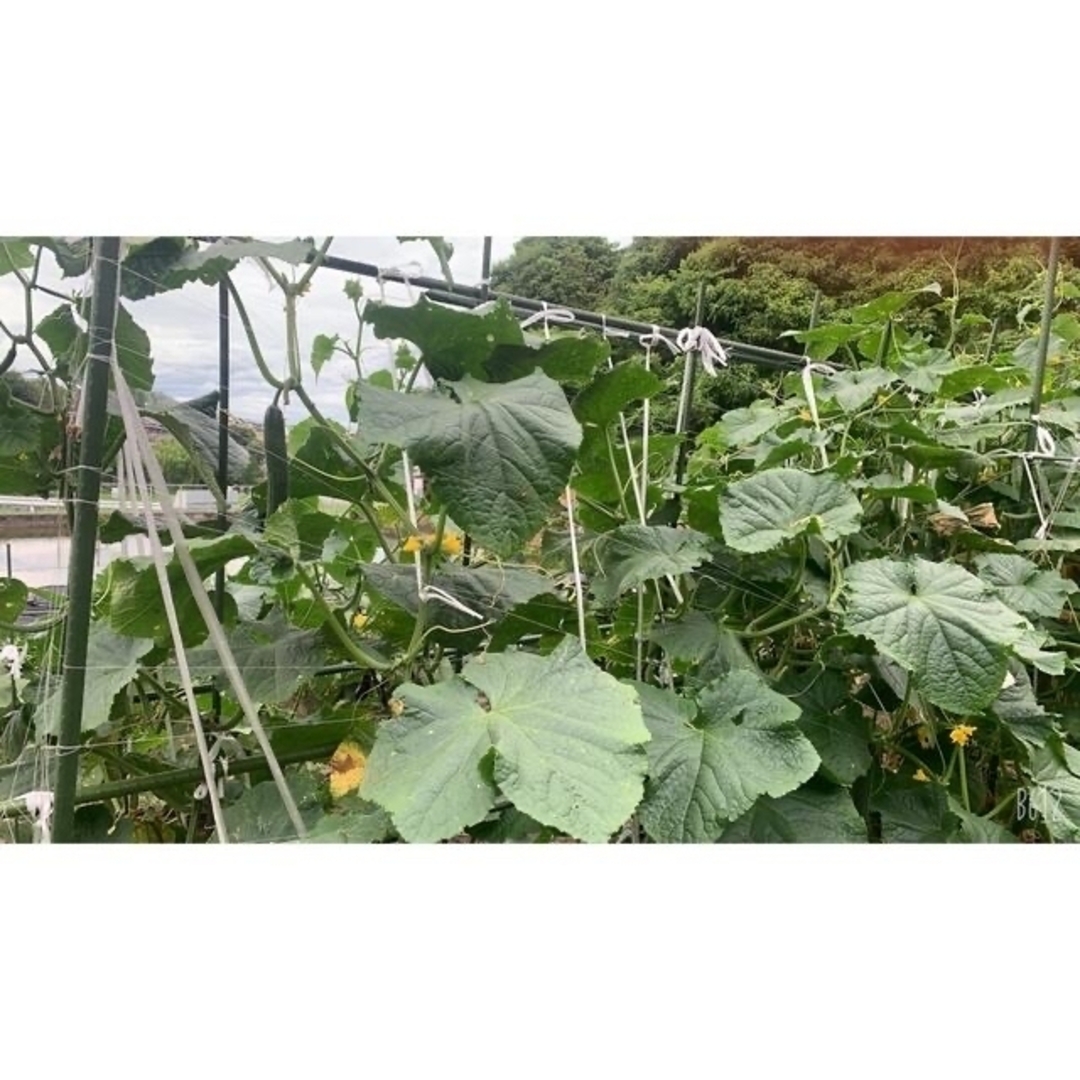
[
  {"x": 446, "y": 293},
  {"x": 738, "y": 351},
  {"x": 485, "y": 269}
]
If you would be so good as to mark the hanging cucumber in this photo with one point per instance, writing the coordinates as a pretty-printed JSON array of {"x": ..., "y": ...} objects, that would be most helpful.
[{"x": 277, "y": 458}]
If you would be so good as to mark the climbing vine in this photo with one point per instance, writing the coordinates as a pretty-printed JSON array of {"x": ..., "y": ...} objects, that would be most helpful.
[{"x": 499, "y": 605}]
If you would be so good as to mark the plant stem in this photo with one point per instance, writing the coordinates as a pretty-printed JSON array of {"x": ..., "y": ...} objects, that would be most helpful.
[
  {"x": 1039, "y": 376},
  {"x": 786, "y": 624},
  {"x": 346, "y": 448},
  {"x": 615, "y": 473},
  {"x": 1007, "y": 801},
  {"x": 314, "y": 265},
  {"x": 358, "y": 652},
  {"x": 963, "y": 780},
  {"x": 253, "y": 342}
]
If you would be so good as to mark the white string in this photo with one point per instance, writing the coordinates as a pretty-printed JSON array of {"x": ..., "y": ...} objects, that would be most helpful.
[
  {"x": 705, "y": 343},
  {"x": 614, "y": 332},
  {"x": 199, "y": 594},
  {"x": 1044, "y": 524},
  {"x": 410, "y": 502},
  {"x": 433, "y": 592},
  {"x": 579, "y": 592},
  {"x": 39, "y": 805},
  {"x": 548, "y": 315},
  {"x": 13, "y": 656},
  {"x": 656, "y": 338},
  {"x": 405, "y": 271},
  {"x": 1044, "y": 441},
  {"x": 159, "y": 559},
  {"x": 809, "y": 368},
  {"x": 220, "y": 740}
]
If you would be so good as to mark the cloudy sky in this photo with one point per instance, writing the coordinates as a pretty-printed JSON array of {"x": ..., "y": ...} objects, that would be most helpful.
[{"x": 182, "y": 324}]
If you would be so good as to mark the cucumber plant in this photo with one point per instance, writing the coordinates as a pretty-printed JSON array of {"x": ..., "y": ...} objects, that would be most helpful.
[{"x": 850, "y": 618}]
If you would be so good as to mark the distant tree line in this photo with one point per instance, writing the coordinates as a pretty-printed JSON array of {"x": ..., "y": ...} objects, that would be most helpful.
[{"x": 757, "y": 288}]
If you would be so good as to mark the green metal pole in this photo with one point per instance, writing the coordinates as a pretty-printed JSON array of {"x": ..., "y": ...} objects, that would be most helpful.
[
  {"x": 682, "y": 417},
  {"x": 106, "y": 273},
  {"x": 1044, "y": 337},
  {"x": 138, "y": 785}
]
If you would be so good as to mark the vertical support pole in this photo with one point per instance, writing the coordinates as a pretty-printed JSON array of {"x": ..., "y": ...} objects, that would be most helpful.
[
  {"x": 485, "y": 270},
  {"x": 106, "y": 275},
  {"x": 223, "y": 457},
  {"x": 682, "y": 420},
  {"x": 1044, "y": 338},
  {"x": 485, "y": 292}
]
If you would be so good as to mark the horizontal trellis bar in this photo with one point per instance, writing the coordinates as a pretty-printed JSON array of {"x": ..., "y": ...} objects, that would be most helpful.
[{"x": 469, "y": 296}]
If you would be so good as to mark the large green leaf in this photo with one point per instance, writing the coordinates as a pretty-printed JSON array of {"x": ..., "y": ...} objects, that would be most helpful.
[
  {"x": 320, "y": 467},
  {"x": 764, "y": 510},
  {"x": 28, "y": 441},
  {"x": 497, "y": 458},
  {"x": 978, "y": 830},
  {"x": 912, "y": 812},
  {"x": 453, "y": 343},
  {"x": 805, "y": 816},
  {"x": 196, "y": 431},
  {"x": 851, "y": 390},
  {"x": 15, "y": 254},
  {"x": 300, "y": 529},
  {"x": 1019, "y": 710},
  {"x": 1053, "y": 797},
  {"x": 632, "y": 554},
  {"x": 938, "y": 622},
  {"x": 259, "y": 816},
  {"x": 741, "y": 427},
  {"x": 565, "y": 739},
  {"x": 487, "y": 344},
  {"x": 362, "y": 824},
  {"x": 425, "y": 765},
  {"x": 710, "y": 759},
  {"x": 111, "y": 663},
  {"x": 13, "y": 597},
  {"x": 490, "y": 591},
  {"x": 225, "y": 254},
  {"x": 690, "y": 638},
  {"x": 822, "y": 341},
  {"x": 611, "y": 391},
  {"x": 20, "y": 426},
  {"x": 133, "y": 351},
  {"x": 1023, "y": 586},
  {"x": 273, "y": 658},
  {"x": 65, "y": 338},
  {"x": 136, "y": 608},
  {"x": 832, "y": 721}
]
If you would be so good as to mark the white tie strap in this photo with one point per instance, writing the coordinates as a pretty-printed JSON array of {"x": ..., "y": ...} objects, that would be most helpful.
[
  {"x": 39, "y": 805},
  {"x": 697, "y": 338},
  {"x": 656, "y": 338},
  {"x": 810, "y": 368},
  {"x": 548, "y": 315}
]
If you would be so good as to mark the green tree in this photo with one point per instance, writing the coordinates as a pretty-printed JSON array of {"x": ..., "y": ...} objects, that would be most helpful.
[{"x": 572, "y": 270}]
